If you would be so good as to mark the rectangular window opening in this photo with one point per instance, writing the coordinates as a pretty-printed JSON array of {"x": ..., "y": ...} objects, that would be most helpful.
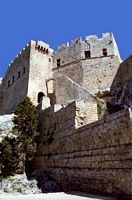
[
  {"x": 104, "y": 52},
  {"x": 13, "y": 79},
  {"x": 58, "y": 62},
  {"x": 24, "y": 70},
  {"x": 19, "y": 74},
  {"x": 87, "y": 54},
  {"x": 9, "y": 83}
]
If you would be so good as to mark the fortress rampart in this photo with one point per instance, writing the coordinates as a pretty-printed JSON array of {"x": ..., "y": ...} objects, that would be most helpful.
[
  {"x": 92, "y": 158},
  {"x": 92, "y": 47}
]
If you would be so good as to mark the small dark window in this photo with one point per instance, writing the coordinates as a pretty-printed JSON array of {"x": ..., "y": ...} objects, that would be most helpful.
[
  {"x": 24, "y": 70},
  {"x": 87, "y": 54},
  {"x": 58, "y": 62},
  {"x": 49, "y": 59},
  {"x": 41, "y": 49},
  {"x": 44, "y": 50},
  {"x": 13, "y": 79},
  {"x": 104, "y": 52},
  {"x": 9, "y": 83},
  {"x": 19, "y": 74},
  {"x": 47, "y": 51}
]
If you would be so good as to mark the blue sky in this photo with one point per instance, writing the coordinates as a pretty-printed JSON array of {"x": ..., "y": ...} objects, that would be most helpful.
[{"x": 59, "y": 21}]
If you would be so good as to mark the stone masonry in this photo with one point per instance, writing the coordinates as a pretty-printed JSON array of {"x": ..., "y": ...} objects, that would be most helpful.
[{"x": 94, "y": 158}]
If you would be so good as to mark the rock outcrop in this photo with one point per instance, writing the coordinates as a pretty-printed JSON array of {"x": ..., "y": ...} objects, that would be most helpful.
[
  {"x": 19, "y": 184},
  {"x": 6, "y": 125}
]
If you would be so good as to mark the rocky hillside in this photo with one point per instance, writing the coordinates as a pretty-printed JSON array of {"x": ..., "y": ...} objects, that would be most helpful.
[{"x": 6, "y": 125}]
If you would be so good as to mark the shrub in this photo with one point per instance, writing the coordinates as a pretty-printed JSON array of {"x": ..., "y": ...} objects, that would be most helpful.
[{"x": 25, "y": 123}]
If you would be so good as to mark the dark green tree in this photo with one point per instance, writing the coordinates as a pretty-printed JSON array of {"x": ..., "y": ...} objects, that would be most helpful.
[
  {"x": 11, "y": 159},
  {"x": 26, "y": 123},
  {"x": 15, "y": 152}
]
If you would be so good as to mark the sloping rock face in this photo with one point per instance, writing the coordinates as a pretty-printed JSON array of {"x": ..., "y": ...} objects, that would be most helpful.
[{"x": 6, "y": 125}]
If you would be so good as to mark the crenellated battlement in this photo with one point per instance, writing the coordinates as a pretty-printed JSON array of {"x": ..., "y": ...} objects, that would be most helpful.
[
  {"x": 91, "y": 47},
  {"x": 81, "y": 41},
  {"x": 19, "y": 54},
  {"x": 42, "y": 47},
  {"x": 39, "y": 45}
]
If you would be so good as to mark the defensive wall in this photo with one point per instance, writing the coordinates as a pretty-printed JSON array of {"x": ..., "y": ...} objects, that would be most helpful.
[{"x": 93, "y": 158}]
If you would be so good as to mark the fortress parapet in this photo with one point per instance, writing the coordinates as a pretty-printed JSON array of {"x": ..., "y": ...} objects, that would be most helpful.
[{"x": 91, "y": 47}]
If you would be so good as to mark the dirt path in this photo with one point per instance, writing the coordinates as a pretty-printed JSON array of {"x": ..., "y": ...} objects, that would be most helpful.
[{"x": 55, "y": 196}]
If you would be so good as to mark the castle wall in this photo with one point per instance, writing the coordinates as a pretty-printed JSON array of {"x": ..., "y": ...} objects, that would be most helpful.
[
  {"x": 67, "y": 90},
  {"x": 102, "y": 63},
  {"x": 92, "y": 74},
  {"x": 41, "y": 63},
  {"x": 56, "y": 118},
  {"x": 15, "y": 82},
  {"x": 93, "y": 158}
]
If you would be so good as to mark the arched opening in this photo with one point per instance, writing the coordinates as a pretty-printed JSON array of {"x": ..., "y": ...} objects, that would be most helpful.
[
  {"x": 40, "y": 96},
  {"x": 51, "y": 85}
]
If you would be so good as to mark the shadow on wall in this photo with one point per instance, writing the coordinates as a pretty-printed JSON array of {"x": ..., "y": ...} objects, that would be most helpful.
[
  {"x": 122, "y": 85},
  {"x": 123, "y": 75}
]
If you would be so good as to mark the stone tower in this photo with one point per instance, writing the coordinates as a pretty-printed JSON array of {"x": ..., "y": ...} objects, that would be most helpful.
[{"x": 27, "y": 75}]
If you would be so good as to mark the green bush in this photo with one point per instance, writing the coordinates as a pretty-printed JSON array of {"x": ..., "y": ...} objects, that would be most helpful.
[
  {"x": 25, "y": 123},
  {"x": 11, "y": 156}
]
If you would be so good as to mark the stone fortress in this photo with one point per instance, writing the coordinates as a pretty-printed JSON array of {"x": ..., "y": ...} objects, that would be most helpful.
[{"x": 83, "y": 92}]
